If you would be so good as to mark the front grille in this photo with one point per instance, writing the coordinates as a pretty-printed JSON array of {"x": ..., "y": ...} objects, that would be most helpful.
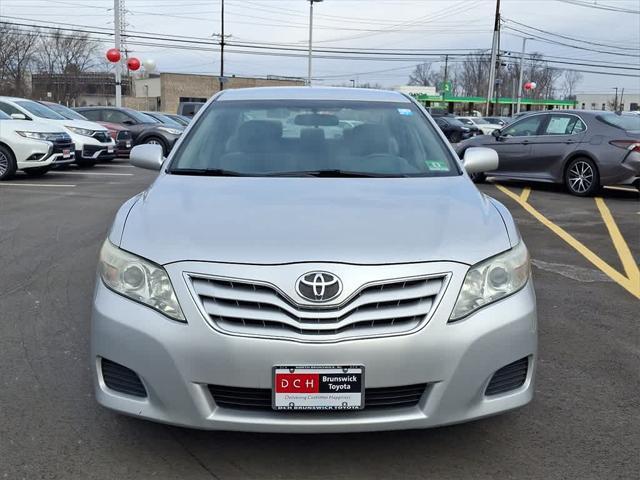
[
  {"x": 123, "y": 135},
  {"x": 249, "y": 308},
  {"x": 508, "y": 378},
  {"x": 61, "y": 146},
  {"x": 122, "y": 379},
  {"x": 260, "y": 398},
  {"x": 102, "y": 137}
]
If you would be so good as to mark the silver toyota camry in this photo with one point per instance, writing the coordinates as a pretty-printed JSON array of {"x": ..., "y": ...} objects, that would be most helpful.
[{"x": 313, "y": 260}]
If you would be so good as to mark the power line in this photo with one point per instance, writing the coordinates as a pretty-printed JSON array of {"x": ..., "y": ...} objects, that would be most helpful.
[{"x": 600, "y": 6}]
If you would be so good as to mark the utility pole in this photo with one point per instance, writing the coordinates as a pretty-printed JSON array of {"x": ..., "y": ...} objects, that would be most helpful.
[
  {"x": 622, "y": 100},
  {"x": 615, "y": 101},
  {"x": 521, "y": 73},
  {"x": 494, "y": 54},
  {"x": 309, "y": 69},
  {"x": 222, "y": 45},
  {"x": 116, "y": 26}
]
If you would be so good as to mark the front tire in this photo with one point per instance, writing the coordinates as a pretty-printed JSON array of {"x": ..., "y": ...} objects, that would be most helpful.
[
  {"x": 581, "y": 177},
  {"x": 8, "y": 164},
  {"x": 455, "y": 137}
]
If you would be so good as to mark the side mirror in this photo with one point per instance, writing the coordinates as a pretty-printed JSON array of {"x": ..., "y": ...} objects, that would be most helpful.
[
  {"x": 129, "y": 122},
  {"x": 497, "y": 133},
  {"x": 147, "y": 156},
  {"x": 18, "y": 116},
  {"x": 479, "y": 160}
]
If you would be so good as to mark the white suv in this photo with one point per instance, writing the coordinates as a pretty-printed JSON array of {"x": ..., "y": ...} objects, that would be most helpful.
[
  {"x": 92, "y": 141},
  {"x": 34, "y": 147}
]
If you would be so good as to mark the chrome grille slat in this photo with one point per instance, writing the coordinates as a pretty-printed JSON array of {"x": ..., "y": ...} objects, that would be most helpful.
[{"x": 258, "y": 309}]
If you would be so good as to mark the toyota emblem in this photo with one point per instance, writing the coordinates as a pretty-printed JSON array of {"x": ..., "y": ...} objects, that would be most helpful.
[{"x": 319, "y": 286}]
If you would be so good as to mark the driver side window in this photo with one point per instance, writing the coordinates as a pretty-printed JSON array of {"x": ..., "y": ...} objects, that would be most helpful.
[
  {"x": 525, "y": 127},
  {"x": 115, "y": 116}
]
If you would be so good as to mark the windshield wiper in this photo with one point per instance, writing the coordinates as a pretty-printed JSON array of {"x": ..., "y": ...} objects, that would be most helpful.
[
  {"x": 334, "y": 173},
  {"x": 209, "y": 172}
]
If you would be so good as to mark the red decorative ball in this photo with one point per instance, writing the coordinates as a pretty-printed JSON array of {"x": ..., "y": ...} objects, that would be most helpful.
[
  {"x": 113, "y": 55},
  {"x": 528, "y": 86},
  {"x": 133, "y": 64}
]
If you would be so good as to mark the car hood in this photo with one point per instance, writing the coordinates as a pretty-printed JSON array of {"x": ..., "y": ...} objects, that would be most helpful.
[
  {"x": 285, "y": 220},
  {"x": 81, "y": 124},
  {"x": 29, "y": 126},
  {"x": 112, "y": 126}
]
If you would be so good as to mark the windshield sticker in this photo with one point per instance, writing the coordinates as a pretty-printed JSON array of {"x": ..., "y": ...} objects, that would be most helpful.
[
  {"x": 437, "y": 165},
  {"x": 405, "y": 111}
]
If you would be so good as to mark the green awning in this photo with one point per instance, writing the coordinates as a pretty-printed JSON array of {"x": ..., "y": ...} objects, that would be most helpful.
[{"x": 501, "y": 100}]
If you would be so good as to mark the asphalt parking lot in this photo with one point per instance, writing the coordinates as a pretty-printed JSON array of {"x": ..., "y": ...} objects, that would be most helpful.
[{"x": 583, "y": 422}]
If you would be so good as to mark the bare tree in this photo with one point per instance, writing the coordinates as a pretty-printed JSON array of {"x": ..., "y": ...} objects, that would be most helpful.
[
  {"x": 570, "y": 82},
  {"x": 63, "y": 58},
  {"x": 474, "y": 74},
  {"x": 17, "y": 51},
  {"x": 424, "y": 75}
]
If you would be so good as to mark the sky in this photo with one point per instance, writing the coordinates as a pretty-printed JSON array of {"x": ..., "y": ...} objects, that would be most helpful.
[{"x": 609, "y": 28}]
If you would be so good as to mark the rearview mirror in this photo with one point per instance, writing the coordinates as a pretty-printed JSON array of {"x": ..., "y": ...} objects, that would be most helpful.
[
  {"x": 18, "y": 116},
  {"x": 147, "y": 156},
  {"x": 480, "y": 160}
]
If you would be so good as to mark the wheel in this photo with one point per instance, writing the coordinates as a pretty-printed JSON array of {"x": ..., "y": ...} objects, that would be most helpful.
[
  {"x": 581, "y": 177},
  {"x": 455, "y": 137},
  {"x": 157, "y": 141},
  {"x": 8, "y": 165},
  {"x": 37, "y": 171}
]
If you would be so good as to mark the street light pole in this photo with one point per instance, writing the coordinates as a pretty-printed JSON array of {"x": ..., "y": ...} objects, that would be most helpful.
[
  {"x": 494, "y": 55},
  {"x": 524, "y": 46},
  {"x": 116, "y": 26},
  {"x": 222, "y": 45},
  {"x": 309, "y": 70}
]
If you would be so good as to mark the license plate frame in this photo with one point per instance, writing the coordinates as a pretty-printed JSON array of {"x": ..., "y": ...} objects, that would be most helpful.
[{"x": 323, "y": 395}]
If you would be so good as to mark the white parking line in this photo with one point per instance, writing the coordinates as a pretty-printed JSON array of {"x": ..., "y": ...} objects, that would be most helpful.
[
  {"x": 94, "y": 173},
  {"x": 20, "y": 184},
  {"x": 112, "y": 165},
  {"x": 624, "y": 189}
]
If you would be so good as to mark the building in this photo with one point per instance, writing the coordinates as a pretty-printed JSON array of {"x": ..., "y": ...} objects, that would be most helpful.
[
  {"x": 164, "y": 91},
  {"x": 77, "y": 89},
  {"x": 606, "y": 101}
]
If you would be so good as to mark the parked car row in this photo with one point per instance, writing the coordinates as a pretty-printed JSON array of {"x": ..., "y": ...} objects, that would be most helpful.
[{"x": 36, "y": 136}]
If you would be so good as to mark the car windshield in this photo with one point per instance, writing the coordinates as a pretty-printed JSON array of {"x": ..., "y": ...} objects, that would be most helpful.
[
  {"x": 493, "y": 121},
  {"x": 65, "y": 112},
  {"x": 466, "y": 121},
  {"x": 627, "y": 122},
  {"x": 166, "y": 120},
  {"x": 313, "y": 138},
  {"x": 4, "y": 116},
  {"x": 141, "y": 117},
  {"x": 39, "y": 110}
]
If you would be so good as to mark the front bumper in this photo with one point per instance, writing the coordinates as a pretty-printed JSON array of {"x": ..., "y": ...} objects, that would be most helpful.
[
  {"x": 176, "y": 362},
  {"x": 39, "y": 154}
]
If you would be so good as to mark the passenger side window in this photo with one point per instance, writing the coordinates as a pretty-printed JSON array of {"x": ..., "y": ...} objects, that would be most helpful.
[
  {"x": 564, "y": 125},
  {"x": 8, "y": 109},
  {"x": 93, "y": 115},
  {"x": 115, "y": 116},
  {"x": 524, "y": 128}
]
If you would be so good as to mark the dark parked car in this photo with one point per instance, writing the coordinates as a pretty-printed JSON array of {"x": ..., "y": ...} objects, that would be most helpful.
[
  {"x": 583, "y": 150},
  {"x": 120, "y": 134},
  {"x": 454, "y": 130},
  {"x": 144, "y": 129},
  {"x": 164, "y": 119},
  {"x": 181, "y": 119}
]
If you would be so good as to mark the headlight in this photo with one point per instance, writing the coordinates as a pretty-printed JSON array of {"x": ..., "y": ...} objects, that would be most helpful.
[
  {"x": 138, "y": 279},
  {"x": 49, "y": 137},
  {"x": 493, "y": 279},
  {"x": 172, "y": 131},
  {"x": 81, "y": 131}
]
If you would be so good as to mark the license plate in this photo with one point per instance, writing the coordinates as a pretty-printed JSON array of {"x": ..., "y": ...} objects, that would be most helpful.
[
  {"x": 318, "y": 388},
  {"x": 109, "y": 149},
  {"x": 128, "y": 144},
  {"x": 66, "y": 153}
]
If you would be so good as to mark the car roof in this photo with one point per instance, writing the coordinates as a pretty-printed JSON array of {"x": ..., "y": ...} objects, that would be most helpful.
[
  {"x": 313, "y": 93},
  {"x": 15, "y": 99}
]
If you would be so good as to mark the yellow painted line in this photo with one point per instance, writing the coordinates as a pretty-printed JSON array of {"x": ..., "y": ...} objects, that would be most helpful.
[
  {"x": 525, "y": 194},
  {"x": 628, "y": 284},
  {"x": 629, "y": 264}
]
